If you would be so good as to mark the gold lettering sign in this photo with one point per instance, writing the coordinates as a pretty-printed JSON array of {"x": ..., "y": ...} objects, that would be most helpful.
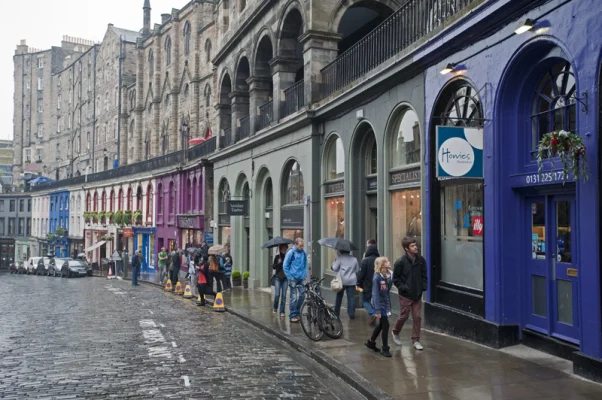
[{"x": 571, "y": 272}]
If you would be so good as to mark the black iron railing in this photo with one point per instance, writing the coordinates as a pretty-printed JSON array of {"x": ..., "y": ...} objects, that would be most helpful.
[
  {"x": 244, "y": 129},
  {"x": 414, "y": 20},
  {"x": 294, "y": 99},
  {"x": 266, "y": 115},
  {"x": 226, "y": 138},
  {"x": 203, "y": 149}
]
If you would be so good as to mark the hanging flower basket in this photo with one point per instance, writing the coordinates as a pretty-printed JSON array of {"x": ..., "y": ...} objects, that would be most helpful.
[{"x": 571, "y": 150}]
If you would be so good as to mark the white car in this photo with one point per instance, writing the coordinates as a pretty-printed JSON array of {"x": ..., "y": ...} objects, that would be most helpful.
[{"x": 32, "y": 265}]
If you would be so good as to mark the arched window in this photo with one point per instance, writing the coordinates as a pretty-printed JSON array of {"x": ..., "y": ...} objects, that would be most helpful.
[
  {"x": 88, "y": 203},
  {"x": 172, "y": 199},
  {"x": 224, "y": 197},
  {"x": 554, "y": 103},
  {"x": 112, "y": 201},
  {"x": 132, "y": 100},
  {"x": 139, "y": 196},
  {"x": 120, "y": 200},
  {"x": 187, "y": 38},
  {"x": 193, "y": 195},
  {"x": 95, "y": 201},
  {"x": 160, "y": 199},
  {"x": 335, "y": 160},
  {"x": 103, "y": 201},
  {"x": 405, "y": 148},
  {"x": 186, "y": 90},
  {"x": 208, "y": 50},
  {"x": 151, "y": 63},
  {"x": 168, "y": 50},
  {"x": 269, "y": 195},
  {"x": 129, "y": 199},
  {"x": 189, "y": 195},
  {"x": 293, "y": 186},
  {"x": 207, "y": 96},
  {"x": 149, "y": 203}
]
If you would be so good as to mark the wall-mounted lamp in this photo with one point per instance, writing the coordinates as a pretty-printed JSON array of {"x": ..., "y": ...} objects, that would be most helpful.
[
  {"x": 448, "y": 68},
  {"x": 525, "y": 26}
]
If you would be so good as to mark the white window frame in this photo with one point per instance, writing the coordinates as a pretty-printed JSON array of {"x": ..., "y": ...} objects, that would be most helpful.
[
  {"x": 40, "y": 62},
  {"x": 27, "y": 155}
]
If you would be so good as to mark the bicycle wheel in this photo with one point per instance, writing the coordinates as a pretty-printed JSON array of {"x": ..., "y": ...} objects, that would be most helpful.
[
  {"x": 309, "y": 322},
  {"x": 329, "y": 323}
]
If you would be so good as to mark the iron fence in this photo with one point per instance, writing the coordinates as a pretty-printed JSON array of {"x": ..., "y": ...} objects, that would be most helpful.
[
  {"x": 244, "y": 130},
  {"x": 266, "y": 115},
  {"x": 226, "y": 138},
  {"x": 203, "y": 149},
  {"x": 414, "y": 20},
  {"x": 294, "y": 99}
]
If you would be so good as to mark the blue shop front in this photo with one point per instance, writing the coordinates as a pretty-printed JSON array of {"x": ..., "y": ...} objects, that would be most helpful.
[
  {"x": 144, "y": 240},
  {"x": 513, "y": 243},
  {"x": 58, "y": 237}
]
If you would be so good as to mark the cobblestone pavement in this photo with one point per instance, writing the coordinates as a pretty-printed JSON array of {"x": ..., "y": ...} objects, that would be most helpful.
[{"x": 97, "y": 339}]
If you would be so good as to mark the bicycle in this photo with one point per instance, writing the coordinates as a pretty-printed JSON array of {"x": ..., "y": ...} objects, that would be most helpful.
[{"x": 317, "y": 319}]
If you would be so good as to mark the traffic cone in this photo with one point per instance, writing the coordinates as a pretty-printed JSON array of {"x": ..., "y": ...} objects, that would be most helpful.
[
  {"x": 168, "y": 285},
  {"x": 199, "y": 302},
  {"x": 110, "y": 275},
  {"x": 218, "y": 303},
  {"x": 179, "y": 288},
  {"x": 187, "y": 292}
]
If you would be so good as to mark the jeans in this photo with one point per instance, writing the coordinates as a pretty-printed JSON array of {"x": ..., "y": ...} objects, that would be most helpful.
[
  {"x": 220, "y": 278},
  {"x": 228, "y": 282},
  {"x": 174, "y": 278},
  {"x": 280, "y": 286},
  {"x": 350, "y": 290},
  {"x": 164, "y": 273},
  {"x": 135, "y": 272},
  {"x": 382, "y": 327},
  {"x": 297, "y": 297},
  {"x": 366, "y": 301}
]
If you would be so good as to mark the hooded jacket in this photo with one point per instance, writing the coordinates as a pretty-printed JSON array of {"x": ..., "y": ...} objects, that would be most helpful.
[
  {"x": 295, "y": 264},
  {"x": 346, "y": 266},
  {"x": 410, "y": 277},
  {"x": 381, "y": 286},
  {"x": 364, "y": 277}
]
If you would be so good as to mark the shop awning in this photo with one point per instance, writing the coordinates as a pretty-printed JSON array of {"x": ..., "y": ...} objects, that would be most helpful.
[{"x": 95, "y": 246}]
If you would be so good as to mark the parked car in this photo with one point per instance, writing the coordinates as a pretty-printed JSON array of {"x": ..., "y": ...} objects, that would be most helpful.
[
  {"x": 32, "y": 265},
  {"x": 13, "y": 268},
  {"x": 71, "y": 268},
  {"x": 87, "y": 266},
  {"x": 43, "y": 265},
  {"x": 54, "y": 268}
]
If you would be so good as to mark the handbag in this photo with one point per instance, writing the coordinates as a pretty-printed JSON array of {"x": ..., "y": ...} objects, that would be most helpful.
[{"x": 336, "y": 285}]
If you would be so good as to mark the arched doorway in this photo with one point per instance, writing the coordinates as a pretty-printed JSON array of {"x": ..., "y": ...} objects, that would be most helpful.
[
  {"x": 359, "y": 19},
  {"x": 455, "y": 248},
  {"x": 364, "y": 202},
  {"x": 334, "y": 193},
  {"x": 223, "y": 217}
]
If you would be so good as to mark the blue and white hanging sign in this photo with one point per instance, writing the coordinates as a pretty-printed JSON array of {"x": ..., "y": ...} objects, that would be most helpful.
[{"x": 459, "y": 152}]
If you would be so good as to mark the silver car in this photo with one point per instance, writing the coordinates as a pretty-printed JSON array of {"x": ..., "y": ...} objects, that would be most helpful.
[{"x": 70, "y": 267}]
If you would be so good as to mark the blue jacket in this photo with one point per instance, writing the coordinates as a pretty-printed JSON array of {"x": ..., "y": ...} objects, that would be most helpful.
[
  {"x": 380, "y": 293},
  {"x": 228, "y": 269},
  {"x": 295, "y": 264}
]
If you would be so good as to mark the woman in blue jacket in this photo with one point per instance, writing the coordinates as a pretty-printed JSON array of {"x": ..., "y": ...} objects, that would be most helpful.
[{"x": 381, "y": 287}]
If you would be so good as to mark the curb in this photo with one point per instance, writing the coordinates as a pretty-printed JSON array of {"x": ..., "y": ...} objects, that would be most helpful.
[{"x": 352, "y": 378}]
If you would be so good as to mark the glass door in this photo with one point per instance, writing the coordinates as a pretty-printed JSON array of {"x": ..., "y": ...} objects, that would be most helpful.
[{"x": 552, "y": 282}]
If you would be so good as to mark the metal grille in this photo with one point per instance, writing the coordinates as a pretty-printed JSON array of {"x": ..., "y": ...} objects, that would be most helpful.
[
  {"x": 266, "y": 115},
  {"x": 294, "y": 99},
  {"x": 244, "y": 130}
]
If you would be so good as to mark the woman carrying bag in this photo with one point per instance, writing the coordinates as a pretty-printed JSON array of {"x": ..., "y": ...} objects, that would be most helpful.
[{"x": 347, "y": 267}]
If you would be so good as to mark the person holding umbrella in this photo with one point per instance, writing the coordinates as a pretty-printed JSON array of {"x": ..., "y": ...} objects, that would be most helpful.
[
  {"x": 347, "y": 267},
  {"x": 280, "y": 282}
]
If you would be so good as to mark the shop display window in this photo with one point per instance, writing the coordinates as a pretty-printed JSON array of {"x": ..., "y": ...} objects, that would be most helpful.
[
  {"x": 406, "y": 219},
  {"x": 335, "y": 225}
]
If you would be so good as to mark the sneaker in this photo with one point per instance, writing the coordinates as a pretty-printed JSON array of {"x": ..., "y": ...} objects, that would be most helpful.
[
  {"x": 371, "y": 345},
  {"x": 418, "y": 346},
  {"x": 386, "y": 352},
  {"x": 396, "y": 339},
  {"x": 295, "y": 319},
  {"x": 282, "y": 315},
  {"x": 274, "y": 311}
]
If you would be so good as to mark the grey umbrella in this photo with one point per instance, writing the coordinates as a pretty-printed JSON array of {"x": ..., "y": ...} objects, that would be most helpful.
[
  {"x": 275, "y": 242},
  {"x": 338, "y": 244}
]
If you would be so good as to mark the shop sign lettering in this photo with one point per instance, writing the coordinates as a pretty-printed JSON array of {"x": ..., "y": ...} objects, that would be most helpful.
[
  {"x": 538, "y": 178},
  {"x": 337, "y": 187},
  {"x": 371, "y": 183},
  {"x": 224, "y": 220},
  {"x": 401, "y": 177},
  {"x": 459, "y": 152},
  {"x": 237, "y": 208},
  {"x": 292, "y": 217}
]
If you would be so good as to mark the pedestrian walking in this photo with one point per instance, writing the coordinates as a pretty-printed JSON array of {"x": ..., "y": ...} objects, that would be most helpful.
[
  {"x": 409, "y": 276},
  {"x": 364, "y": 278},
  {"x": 280, "y": 282},
  {"x": 183, "y": 273},
  {"x": 381, "y": 288},
  {"x": 202, "y": 283},
  {"x": 228, "y": 274},
  {"x": 346, "y": 266},
  {"x": 175, "y": 268},
  {"x": 295, "y": 270},
  {"x": 214, "y": 273},
  {"x": 136, "y": 264},
  {"x": 221, "y": 271},
  {"x": 193, "y": 276},
  {"x": 163, "y": 258}
]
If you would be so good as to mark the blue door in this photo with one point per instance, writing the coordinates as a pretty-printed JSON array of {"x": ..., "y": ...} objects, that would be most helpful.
[
  {"x": 552, "y": 281},
  {"x": 145, "y": 252}
]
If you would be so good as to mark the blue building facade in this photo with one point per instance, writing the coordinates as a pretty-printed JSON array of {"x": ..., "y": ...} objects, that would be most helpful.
[
  {"x": 59, "y": 218},
  {"x": 514, "y": 253}
]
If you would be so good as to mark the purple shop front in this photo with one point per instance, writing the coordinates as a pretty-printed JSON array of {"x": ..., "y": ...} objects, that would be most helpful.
[{"x": 514, "y": 254}]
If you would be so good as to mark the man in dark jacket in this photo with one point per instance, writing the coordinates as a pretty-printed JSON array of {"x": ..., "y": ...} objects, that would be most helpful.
[
  {"x": 364, "y": 278},
  {"x": 409, "y": 276},
  {"x": 136, "y": 264},
  {"x": 175, "y": 264}
]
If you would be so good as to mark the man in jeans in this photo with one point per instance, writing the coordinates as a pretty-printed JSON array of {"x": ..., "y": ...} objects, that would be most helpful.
[
  {"x": 364, "y": 278},
  {"x": 136, "y": 264},
  {"x": 409, "y": 276},
  {"x": 295, "y": 269}
]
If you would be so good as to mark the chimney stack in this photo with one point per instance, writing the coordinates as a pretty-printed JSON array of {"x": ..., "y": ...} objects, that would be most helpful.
[{"x": 147, "y": 18}]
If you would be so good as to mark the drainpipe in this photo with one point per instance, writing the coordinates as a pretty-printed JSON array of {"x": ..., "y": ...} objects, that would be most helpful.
[{"x": 121, "y": 57}]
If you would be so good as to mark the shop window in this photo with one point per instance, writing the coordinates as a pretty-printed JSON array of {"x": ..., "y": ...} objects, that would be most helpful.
[
  {"x": 554, "y": 105},
  {"x": 224, "y": 197},
  {"x": 372, "y": 162},
  {"x": 406, "y": 218},
  {"x": 405, "y": 149},
  {"x": 269, "y": 202},
  {"x": 335, "y": 161},
  {"x": 293, "y": 189},
  {"x": 335, "y": 223}
]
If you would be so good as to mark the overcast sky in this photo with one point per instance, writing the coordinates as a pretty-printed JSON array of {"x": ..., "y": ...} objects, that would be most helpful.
[{"x": 44, "y": 22}]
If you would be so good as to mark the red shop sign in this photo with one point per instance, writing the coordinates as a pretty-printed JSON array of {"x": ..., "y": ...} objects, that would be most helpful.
[{"x": 477, "y": 226}]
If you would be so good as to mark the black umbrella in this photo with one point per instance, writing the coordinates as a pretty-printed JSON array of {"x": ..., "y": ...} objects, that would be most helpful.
[
  {"x": 275, "y": 242},
  {"x": 338, "y": 244}
]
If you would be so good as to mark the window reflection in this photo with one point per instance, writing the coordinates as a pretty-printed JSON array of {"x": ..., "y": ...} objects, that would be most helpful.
[
  {"x": 538, "y": 230},
  {"x": 563, "y": 231}
]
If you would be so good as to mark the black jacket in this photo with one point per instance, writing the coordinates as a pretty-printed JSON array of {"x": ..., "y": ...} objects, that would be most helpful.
[
  {"x": 278, "y": 267},
  {"x": 364, "y": 276},
  {"x": 410, "y": 277}
]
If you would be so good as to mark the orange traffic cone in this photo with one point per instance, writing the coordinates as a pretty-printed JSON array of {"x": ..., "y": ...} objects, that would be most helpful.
[
  {"x": 187, "y": 292},
  {"x": 218, "y": 303},
  {"x": 110, "y": 274},
  {"x": 179, "y": 288},
  {"x": 168, "y": 285}
]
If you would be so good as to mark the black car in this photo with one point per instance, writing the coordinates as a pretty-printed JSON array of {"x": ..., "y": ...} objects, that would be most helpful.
[
  {"x": 43, "y": 266},
  {"x": 71, "y": 268}
]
